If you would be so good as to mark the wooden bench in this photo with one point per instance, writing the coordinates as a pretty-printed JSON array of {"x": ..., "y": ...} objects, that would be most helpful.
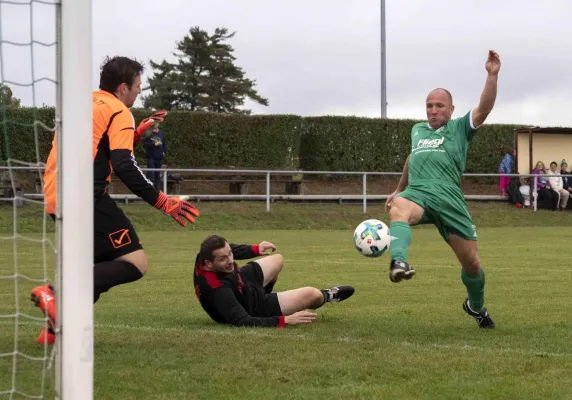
[
  {"x": 174, "y": 183},
  {"x": 7, "y": 192},
  {"x": 240, "y": 185},
  {"x": 294, "y": 186},
  {"x": 236, "y": 185}
]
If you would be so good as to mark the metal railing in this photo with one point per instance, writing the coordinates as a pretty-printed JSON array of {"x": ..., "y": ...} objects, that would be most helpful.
[{"x": 268, "y": 196}]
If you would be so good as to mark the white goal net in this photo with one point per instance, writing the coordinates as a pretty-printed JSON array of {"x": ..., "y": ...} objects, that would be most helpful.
[{"x": 45, "y": 90}]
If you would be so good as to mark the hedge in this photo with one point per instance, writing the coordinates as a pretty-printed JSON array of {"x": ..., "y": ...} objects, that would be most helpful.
[{"x": 210, "y": 140}]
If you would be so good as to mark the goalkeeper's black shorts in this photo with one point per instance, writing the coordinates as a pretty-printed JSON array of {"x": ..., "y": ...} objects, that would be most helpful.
[
  {"x": 260, "y": 303},
  {"x": 113, "y": 235}
]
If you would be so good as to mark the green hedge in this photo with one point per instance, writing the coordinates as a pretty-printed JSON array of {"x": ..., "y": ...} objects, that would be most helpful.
[
  {"x": 207, "y": 140},
  {"x": 204, "y": 140},
  {"x": 19, "y": 128}
]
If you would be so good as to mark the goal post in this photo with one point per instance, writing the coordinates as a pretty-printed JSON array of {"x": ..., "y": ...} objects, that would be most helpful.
[{"x": 74, "y": 215}]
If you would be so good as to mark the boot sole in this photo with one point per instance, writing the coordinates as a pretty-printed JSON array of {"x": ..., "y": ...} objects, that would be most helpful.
[{"x": 398, "y": 276}]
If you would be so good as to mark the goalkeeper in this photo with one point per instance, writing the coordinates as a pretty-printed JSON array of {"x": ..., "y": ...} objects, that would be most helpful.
[
  {"x": 243, "y": 296},
  {"x": 118, "y": 254},
  {"x": 429, "y": 189}
]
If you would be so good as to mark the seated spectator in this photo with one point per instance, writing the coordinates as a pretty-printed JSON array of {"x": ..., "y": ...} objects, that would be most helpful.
[
  {"x": 555, "y": 182},
  {"x": 543, "y": 189},
  {"x": 524, "y": 189}
]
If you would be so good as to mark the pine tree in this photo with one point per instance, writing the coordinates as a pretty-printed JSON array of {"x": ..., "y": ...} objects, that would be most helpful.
[{"x": 204, "y": 78}]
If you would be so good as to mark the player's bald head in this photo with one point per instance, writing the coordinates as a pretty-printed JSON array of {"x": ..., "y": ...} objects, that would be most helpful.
[
  {"x": 439, "y": 107},
  {"x": 441, "y": 94}
]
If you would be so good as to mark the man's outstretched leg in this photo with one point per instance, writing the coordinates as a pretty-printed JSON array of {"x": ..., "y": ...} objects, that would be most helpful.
[
  {"x": 473, "y": 277},
  {"x": 403, "y": 213},
  {"x": 118, "y": 255},
  {"x": 125, "y": 269},
  {"x": 293, "y": 301}
]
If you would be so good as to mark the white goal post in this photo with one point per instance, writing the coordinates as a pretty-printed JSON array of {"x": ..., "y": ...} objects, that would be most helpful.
[{"x": 74, "y": 216}]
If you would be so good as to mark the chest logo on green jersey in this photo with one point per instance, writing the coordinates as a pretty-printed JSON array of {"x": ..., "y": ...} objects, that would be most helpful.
[{"x": 429, "y": 143}]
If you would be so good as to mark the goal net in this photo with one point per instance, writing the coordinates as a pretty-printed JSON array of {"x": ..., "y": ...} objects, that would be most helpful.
[{"x": 45, "y": 91}]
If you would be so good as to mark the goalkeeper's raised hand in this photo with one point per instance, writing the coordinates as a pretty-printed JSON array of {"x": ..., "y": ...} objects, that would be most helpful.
[
  {"x": 146, "y": 124},
  {"x": 181, "y": 210}
]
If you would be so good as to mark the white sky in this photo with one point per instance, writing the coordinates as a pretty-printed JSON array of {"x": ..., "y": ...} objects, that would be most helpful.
[{"x": 322, "y": 57}]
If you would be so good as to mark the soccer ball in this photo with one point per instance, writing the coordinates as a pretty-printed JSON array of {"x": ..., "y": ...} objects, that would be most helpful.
[{"x": 371, "y": 238}]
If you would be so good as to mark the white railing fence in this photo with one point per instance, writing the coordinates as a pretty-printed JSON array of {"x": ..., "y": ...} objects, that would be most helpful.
[{"x": 268, "y": 196}]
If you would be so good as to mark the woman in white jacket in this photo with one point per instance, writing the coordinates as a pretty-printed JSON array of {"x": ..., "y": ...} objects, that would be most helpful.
[{"x": 555, "y": 181}]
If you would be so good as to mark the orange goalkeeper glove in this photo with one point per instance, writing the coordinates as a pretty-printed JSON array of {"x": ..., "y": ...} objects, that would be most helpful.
[
  {"x": 146, "y": 124},
  {"x": 180, "y": 210}
]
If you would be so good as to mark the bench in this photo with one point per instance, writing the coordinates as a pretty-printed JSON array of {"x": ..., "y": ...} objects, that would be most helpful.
[
  {"x": 7, "y": 192},
  {"x": 236, "y": 185},
  {"x": 294, "y": 186}
]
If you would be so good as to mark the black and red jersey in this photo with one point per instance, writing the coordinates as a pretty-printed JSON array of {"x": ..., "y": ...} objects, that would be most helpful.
[{"x": 225, "y": 297}]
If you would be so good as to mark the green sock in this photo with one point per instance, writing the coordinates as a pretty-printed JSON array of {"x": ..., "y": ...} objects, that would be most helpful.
[
  {"x": 401, "y": 232},
  {"x": 475, "y": 289}
]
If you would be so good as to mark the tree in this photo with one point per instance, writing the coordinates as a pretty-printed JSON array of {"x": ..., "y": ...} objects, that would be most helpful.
[
  {"x": 7, "y": 98},
  {"x": 204, "y": 78}
]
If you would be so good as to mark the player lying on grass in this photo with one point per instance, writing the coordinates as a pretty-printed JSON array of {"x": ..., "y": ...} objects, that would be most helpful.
[
  {"x": 243, "y": 296},
  {"x": 429, "y": 190},
  {"x": 118, "y": 254}
]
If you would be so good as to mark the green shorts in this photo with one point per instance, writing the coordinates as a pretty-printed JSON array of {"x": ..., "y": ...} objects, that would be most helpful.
[{"x": 444, "y": 206}]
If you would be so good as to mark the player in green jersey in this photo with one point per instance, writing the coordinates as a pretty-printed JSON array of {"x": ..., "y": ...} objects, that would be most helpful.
[{"x": 429, "y": 189}]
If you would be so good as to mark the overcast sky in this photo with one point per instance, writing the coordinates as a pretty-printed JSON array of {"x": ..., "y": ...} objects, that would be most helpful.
[{"x": 319, "y": 57}]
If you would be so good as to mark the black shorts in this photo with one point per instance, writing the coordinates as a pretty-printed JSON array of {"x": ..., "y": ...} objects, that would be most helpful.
[
  {"x": 260, "y": 303},
  {"x": 113, "y": 234}
]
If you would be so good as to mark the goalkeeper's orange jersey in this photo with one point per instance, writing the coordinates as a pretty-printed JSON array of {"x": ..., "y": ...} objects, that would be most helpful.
[{"x": 113, "y": 130}]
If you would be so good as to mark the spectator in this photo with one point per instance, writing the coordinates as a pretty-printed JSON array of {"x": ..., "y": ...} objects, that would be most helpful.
[
  {"x": 155, "y": 148},
  {"x": 524, "y": 189},
  {"x": 566, "y": 178},
  {"x": 543, "y": 189},
  {"x": 555, "y": 182},
  {"x": 506, "y": 167}
]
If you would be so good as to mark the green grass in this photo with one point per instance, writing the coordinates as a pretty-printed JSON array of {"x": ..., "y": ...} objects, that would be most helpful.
[
  {"x": 253, "y": 216},
  {"x": 408, "y": 341}
]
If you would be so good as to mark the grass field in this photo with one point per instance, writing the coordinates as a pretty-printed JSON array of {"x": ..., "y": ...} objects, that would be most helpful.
[{"x": 390, "y": 341}]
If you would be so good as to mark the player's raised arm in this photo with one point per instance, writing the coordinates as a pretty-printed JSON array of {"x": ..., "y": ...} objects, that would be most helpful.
[{"x": 489, "y": 95}]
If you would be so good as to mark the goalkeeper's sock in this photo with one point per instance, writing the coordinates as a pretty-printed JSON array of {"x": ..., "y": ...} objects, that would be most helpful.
[
  {"x": 268, "y": 288},
  {"x": 400, "y": 233},
  {"x": 475, "y": 289},
  {"x": 113, "y": 273}
]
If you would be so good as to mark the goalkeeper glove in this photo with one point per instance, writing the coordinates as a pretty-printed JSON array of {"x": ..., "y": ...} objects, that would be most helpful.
[
  {"x": 177, "y": 208},
  {"x": 146, "y": 124}
]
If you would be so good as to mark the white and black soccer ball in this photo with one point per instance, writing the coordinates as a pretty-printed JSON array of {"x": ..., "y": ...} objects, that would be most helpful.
[{"x": 371, "y": 238}]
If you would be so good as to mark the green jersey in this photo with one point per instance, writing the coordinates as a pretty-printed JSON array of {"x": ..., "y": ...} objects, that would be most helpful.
[{"x": 440, "y": 155}]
